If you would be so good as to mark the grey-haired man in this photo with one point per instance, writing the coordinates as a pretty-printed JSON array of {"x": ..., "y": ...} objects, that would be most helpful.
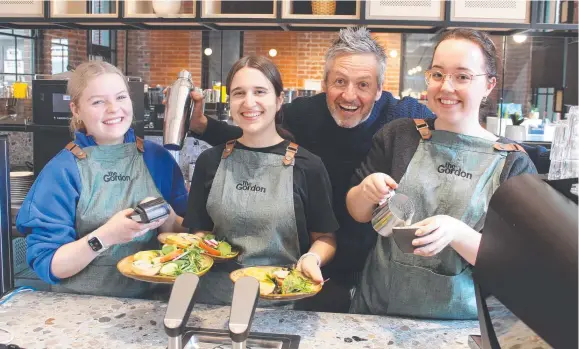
[{"x": 338, "y": 126}]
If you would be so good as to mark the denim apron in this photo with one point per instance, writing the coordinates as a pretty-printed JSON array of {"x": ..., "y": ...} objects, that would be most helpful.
[
  {"x": 252, "y": 206},
  {"x": 113, "y": 177},
  {"x": 450, "y": 174}
]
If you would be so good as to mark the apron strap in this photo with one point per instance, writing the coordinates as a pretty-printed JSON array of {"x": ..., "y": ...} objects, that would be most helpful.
[
  {"x": 228, "y": 149},
  {"x": 76, "y": 150},
  {"x": 290, "y": 153},
  {"x": 509, "y": 147},
  {"x": 423, "y": 128},
  {"x": 140, "y": 144}
]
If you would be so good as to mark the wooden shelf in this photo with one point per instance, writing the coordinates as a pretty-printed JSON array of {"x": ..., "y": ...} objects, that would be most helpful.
[
  {"x": 14, "y": 8},
  {"x": 84, "y": 9},
  {"x": 299, "y": 9},
  {"x": 410, "y": 10},
  {"x": 238, "y": 9},
  {"x": 146, "y": 9}
]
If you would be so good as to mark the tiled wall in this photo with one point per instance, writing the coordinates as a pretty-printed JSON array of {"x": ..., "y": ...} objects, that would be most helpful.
[{"x": 20, "y": 147}]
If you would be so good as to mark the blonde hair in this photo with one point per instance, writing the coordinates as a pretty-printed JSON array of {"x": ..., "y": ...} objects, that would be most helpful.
[{"x": 80, "y": 78}]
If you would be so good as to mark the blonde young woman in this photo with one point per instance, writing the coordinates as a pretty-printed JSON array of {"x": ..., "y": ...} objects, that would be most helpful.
[{"x": 75, "y": 215}]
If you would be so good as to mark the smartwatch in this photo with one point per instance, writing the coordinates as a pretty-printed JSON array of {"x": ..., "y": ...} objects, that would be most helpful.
[{"x": 95, "y": 243}]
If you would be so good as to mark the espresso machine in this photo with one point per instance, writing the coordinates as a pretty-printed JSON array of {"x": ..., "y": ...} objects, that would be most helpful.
[
  {"x": 154, "y": 115},
  {"x": 237, "y": 336},
  {"x": 527, "y": 262}
]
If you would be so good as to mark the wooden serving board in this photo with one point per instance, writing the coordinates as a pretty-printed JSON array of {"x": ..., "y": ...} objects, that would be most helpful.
[
  {"x": 235, "y": 275},
  {"x": 124, "y": 266}
]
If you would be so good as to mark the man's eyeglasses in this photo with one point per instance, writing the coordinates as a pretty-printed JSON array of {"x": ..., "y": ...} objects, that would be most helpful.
[{"x": 459, "y": 81}]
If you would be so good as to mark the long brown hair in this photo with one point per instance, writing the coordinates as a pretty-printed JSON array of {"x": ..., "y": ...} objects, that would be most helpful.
[{"x": 271, "y": 72}]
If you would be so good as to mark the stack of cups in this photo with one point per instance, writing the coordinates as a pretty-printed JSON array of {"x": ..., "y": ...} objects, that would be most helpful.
[{"x": 565, "y": 148}]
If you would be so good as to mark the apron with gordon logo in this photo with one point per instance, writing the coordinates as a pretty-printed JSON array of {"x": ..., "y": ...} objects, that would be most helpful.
[
  {"x": 450, "y": 174},
  {"x": 251, "y": 204},
  {"x": 113, "y": 177}
]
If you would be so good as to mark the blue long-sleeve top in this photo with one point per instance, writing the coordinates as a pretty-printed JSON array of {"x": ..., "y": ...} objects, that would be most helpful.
[{"x": 48, "y": 213}]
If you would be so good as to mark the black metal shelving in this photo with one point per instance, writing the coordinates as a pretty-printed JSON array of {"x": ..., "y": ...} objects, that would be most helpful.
[{"x": 285, "y": 24}]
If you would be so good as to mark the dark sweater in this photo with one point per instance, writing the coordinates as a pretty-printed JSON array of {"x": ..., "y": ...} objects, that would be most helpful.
[{"x": 341, "y": 150}]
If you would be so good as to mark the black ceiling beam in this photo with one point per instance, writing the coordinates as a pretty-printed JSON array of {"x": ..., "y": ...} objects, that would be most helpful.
[
  {"x": 68, "y": 25},
  {"x": 211, "y": 26},
  {"x": 137, "y": 25}
]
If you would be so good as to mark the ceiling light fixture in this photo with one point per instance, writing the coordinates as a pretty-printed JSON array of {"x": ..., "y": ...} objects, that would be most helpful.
[{"x": 272, "y": 52}]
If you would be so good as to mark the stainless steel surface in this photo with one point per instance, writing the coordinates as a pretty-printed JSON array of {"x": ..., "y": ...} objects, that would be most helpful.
[
  {"x": 177, "y": 111},
  {"x": 175, "y": 343},
  {"x": 237, "y": 345},
  {"x": 395, "y": 211},
  {"x": 180, "y": 305},
  {"x": 245, "y": 295},
  {"x": 202, "y": 338}
]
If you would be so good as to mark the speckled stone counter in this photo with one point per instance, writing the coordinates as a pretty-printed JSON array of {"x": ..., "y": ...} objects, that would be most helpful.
[{"x": 52, "y": 320}]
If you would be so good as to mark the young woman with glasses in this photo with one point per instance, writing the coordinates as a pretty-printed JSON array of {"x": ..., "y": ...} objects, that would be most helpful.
[{"x": 449, "y": 167}]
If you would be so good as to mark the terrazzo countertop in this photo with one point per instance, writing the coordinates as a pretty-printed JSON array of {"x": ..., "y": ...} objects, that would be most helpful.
[{"x": 56, "y": 320}]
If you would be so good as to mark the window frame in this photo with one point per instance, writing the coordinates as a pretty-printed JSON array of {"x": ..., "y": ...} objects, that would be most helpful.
[
  {"x": 108, "y": 53},
  {"x": 33, "y": 37}
]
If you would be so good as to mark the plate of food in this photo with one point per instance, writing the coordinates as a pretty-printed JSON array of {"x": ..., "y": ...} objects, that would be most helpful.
[
  {"x": 164, "y": 265},
  {"x": 219, "y": 250},
  {"x": 279, "y": 283}
]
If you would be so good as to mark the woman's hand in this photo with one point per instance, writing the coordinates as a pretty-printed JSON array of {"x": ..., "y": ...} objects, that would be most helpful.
[
  {"x": 120, "y": 229},
  {"x": 435, "y": 233},
  {"x": 376, "y": 187},
  {"x": 310, "y": 268}
]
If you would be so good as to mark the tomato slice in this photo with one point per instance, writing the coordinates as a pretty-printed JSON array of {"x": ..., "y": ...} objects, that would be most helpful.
[
  {"x": 171, "y": 256},
  {"x": 209, "y": 249}
]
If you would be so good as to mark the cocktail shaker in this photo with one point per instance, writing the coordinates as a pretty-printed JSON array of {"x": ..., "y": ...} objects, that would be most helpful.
[{"x": 178, "y": 111}]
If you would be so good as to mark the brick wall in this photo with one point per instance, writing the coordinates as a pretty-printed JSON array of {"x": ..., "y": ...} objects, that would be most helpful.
[
  {"x": 77, "y": 48},
  {"x": 158, "y": 55},
  {"x": 121, "y": 34},
  {"x": 300, "y": 55}
]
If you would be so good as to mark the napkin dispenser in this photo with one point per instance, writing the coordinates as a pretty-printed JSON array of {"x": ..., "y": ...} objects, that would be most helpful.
[{"x": 528, "y": 259}]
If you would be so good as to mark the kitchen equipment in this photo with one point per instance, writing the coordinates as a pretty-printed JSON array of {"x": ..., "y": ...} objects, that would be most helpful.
[
  {"x": 306, "y": 93},
  {"x": 178, "y": 111},
  {"x": 154, "y": 108},
  {"x": 150, "y": 211},
  {"x": 243, "y": 305},
  {"x": 527, "y": 260},
  {"x": 289, "y": 95},
  {"x": 20, "y": 183},
  {"x": 403, "y": 237},
  {"x": 179, "y": 308},
  {"x": 394, "y": 211}
]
